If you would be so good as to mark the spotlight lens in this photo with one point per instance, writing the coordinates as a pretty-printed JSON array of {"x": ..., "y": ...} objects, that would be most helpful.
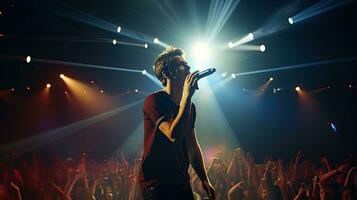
[
  {"x": 230, "y": 44},
  {"x": 297, "y": 88},
  {"x": 101, "y": 91},
  {"x": 136, "y": 90},
  {"x": 48, "y": 85},
  {"x": 156, "y": 40},
  {"x": 144, "y": 72},
  {"x": 233, "y": 75},
  {"x": 62, "y": 76},
  {"x": 146, "y": 46},
  {"x": 224, "y": 74},
  {"x": 201, "y": 52},
  {"x": 271, "y": 78},
  {"x": 28, "y": 59},
  {"x": 262, "y": 48},
  {"x": 251, "y": 36},
  {"x": 118, "y": 29},
  {"x": 114, "y": 41},
  {"x": 291, "y": 21}
]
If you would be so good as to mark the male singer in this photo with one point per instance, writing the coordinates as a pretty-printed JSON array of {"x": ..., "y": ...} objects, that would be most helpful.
[{"x": 170, "y": 143}]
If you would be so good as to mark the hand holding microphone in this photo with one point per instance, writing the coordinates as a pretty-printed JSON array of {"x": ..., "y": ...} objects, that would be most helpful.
[{"x": 190, "y": 84}]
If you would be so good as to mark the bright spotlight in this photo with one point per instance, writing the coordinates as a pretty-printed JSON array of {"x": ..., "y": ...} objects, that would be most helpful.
[
  {"x": 262, "y": 48},
  {"x": 297, "y": 89},
  {"x": 101, "y": 91},
  {"x": 28, "y": 88},
  {"x": 271, "y": 79},
  {"x": 144, "y": 72},
  {"x": 48, "y": 85},
  {"x": 350, "y": 86},
  {"x": 291, "y": 21},
  {"x": 156, "y": 40},
  {"x": 62, "y": 76},
  {"x": 136, "y": 90},
  {"x": 230, "y": 44},
  {"x": 146, "y": 45},
  {"x": 224, "y": 74},
  {"x": 114, "y": 41},
  {"x": 118, "y": 29},
  {"x": 28, "y": 59},
  {"x": 233, "y": 75},
  {"x": 201, "y": 51},
  {"x": 251, "y": 36}
]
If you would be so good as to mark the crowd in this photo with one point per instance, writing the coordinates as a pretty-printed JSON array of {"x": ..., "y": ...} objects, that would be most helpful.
[{"x": 234, "y": 175}]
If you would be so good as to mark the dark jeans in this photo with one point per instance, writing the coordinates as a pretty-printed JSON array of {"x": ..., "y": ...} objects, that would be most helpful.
[{"x": 164, "y": 193}]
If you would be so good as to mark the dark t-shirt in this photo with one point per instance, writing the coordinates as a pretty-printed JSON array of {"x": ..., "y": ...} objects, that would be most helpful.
[{"x": 164, "y": 162}]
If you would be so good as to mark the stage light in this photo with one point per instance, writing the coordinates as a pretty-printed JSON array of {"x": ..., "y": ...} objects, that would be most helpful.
[
  {"x": 65, "y": 92},
  {"x": 84, "y": 92},
  {"x": 297, "y": 89},
  {"x": 92, "y": 82},
  {"x": 350, "y": 86},
  {"x": 48, "y": 85},
  {"x": 61, "y": 76},
  {"x": 250, "y": 36},
  {"x": 146, "y": 45},
  {"x": 114, "y": 41},
  {"x": 28, "y": 59},
  {"x": 144, "y": 72},
  {"x": 28, "y": 88},
  {"x": 13, "y": 89},
  {"x": 224, "y": 74},
  {"x": 101, "y": 91},
  {"x": 0, "y": 12},
  {"x": 262, "y": 48},
  {"x": 118, "y": 29},
  {"x": 291, "y": 21},
  {"x": 136, "y": 90},
  {"x": 271, "y": 79},
  {"x": 233, "y": 75},
  {"x": 230, "y": 44},
  {"x": 201, "y": 51},
  {"x": 156, "y": 40}
]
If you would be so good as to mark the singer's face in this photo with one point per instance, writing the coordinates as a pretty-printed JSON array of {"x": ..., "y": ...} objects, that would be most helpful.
[{"x": 181, "y": 67}]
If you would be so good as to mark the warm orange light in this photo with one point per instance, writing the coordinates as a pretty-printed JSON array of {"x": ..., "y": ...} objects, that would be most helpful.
[
  {"x": 48, "y": 85},
  {"x": 297, "y": 88},
  {"x": 62, "y": 76}
]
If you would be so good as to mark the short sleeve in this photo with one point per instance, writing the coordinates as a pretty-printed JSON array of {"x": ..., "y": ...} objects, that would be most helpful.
[{"x": 156, "y": 109}]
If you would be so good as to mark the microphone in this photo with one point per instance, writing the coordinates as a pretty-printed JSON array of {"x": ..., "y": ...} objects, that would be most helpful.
[{"x": 203, "y": 74}]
